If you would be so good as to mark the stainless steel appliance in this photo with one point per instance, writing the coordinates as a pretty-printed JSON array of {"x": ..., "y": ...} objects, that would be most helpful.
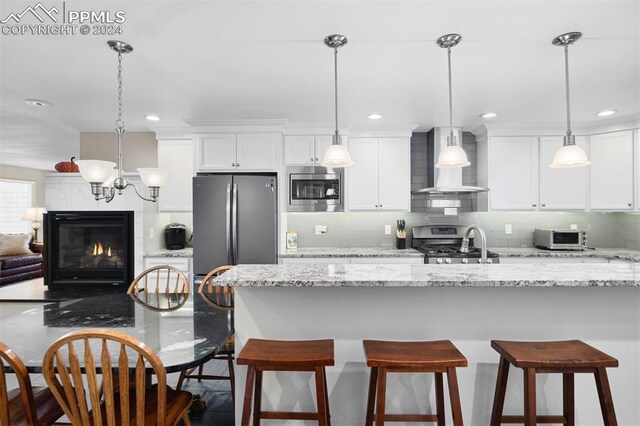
[
  {"x": 554, "y": 239},
  {"x": 449, "y": 244},
  {"x": 235, "y": 220},
  {"x": 175, "y": 236},
  {"x": 315, "y": 189}
]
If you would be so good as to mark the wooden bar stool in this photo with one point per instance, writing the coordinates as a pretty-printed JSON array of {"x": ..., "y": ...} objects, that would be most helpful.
[
  {"x": 278, "y": 355},
  {"x": 412, "y": 357},
  {"x": 565, "y": 357}
]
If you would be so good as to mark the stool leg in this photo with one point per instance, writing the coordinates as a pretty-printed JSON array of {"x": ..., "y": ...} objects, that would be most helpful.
[
  {"x": 371, "y": 400},
  {"x": 257, "y": 402},
  {"x": 321, "y": 397},
  {"x": 200, "y": 372},
  {"x": 501, "y": 390},
  {"x": 232, "y": 377},
  {"x": 382, "y": 396},
  {"x": 606, "y": 401},
  {"x": 454, "y": 396},
  {"x": 440, "y": 399},
  {"x": 326, "y": 395},
  {"x": 568, "y": 399},
  {"x": 248, "y": 391},
  {"x": 530, "y": 418}
]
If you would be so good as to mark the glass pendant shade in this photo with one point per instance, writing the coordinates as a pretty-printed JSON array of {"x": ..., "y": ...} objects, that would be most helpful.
[
  {"x": 107, "y": 183},
  {"x": 95, "y": 171},
  {"x": 570, "y": 156},
  {"x": 337, "y": 155},
  {"x": 452, "y": 156},
  {"x": 153, "y": 177}
]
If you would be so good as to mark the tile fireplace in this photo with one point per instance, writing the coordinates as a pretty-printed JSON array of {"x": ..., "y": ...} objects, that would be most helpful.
[{"x": 88, "y": 248}]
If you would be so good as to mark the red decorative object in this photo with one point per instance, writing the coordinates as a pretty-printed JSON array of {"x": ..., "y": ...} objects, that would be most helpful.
[{"x": 67, "y": 166}]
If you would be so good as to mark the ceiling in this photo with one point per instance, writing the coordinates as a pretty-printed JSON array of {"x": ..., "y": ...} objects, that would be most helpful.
[{"x": 266, "y": 59}]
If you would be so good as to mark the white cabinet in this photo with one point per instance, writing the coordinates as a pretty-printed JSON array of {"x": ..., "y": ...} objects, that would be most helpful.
[
  {"x": 181, "y": 263},
  {"x": 636, "y": 151},
  {"x": 380, "y": 176},
  {"x": 611, "y": 171},
  {"x": 513, "y": 172},
  {"x": 237, "y": 152},
  {"x": 303, "y": 150},
  {"x": 561, "y": 189},
  {"x": 176, "y": 157}
]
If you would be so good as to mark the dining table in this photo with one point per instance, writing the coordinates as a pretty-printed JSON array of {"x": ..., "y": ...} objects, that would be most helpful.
[{"x": 183, "y": 330}]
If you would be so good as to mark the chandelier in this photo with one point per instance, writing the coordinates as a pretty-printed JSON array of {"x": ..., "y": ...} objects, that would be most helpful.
[{"x": 104, "y": 179}]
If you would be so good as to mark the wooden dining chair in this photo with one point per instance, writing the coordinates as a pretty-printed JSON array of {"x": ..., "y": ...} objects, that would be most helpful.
[
  {"x": 24, "y": 405},
  {"x": 219, "y": 297},
  {"x": 160, "y": 288},
  {"x": 112, "y": 400}
]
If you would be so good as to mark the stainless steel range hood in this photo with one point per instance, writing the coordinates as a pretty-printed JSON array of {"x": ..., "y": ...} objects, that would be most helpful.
[{"x": 445, "y": 181}]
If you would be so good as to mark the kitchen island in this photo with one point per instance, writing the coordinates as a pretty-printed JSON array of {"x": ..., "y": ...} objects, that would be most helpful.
[{"x": 468, "y": 304}]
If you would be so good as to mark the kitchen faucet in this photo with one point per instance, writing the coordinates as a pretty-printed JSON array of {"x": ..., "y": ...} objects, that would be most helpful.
[{"x": 464, "y": 248}]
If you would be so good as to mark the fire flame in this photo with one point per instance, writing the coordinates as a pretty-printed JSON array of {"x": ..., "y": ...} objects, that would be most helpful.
[
  {"x": 98, "y": 250},
  {"x": 109, "y": 252}
]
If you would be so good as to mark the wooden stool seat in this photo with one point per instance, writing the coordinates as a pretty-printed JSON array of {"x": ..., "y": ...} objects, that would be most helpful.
[
  {"x": 302, "y": 354},
  {"x": 562, "y": 355},
  {"x": 281, "y": 355},
  {"x": 566, "y": 357},
  {"x": 436, "y": 357},
  {"x": 432, "y": 356}
]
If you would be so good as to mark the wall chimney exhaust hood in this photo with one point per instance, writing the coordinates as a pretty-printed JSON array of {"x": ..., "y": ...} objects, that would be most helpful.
[{"x": 444, "y": 181}]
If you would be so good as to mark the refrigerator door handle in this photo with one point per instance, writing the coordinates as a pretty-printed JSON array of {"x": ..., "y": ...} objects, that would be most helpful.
[
  {"x": 228, "y": 228},
  {"x": 234, "y": 213}
]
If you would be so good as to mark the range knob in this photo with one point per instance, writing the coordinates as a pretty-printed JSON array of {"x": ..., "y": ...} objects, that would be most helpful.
[
  {"x": 465, "y": 261},
  {"x": 447, "y": 261},
  {"x": 479, "y": 260},
  {"x": 439, "y": 261}
]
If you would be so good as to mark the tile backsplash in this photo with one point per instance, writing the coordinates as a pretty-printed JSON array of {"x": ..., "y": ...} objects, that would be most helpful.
[{"x": 368, "y": 229}]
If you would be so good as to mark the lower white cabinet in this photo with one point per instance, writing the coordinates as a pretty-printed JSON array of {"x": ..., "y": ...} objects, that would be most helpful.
[
  {"x": 611, "y": 171},
  {"x": 176, "y": 157},
  {"x": 352, "y": 260},
  {"x": 513, "y": 172},
  {"x": 561, "y": 189},
  {"x": 183, "y": 264}
]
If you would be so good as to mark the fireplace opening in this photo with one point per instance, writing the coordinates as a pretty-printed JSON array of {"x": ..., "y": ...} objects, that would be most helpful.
[{"x": 88, "y": 248}]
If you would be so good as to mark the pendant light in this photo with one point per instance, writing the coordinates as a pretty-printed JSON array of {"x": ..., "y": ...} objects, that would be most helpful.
[
  {"x": 101, "y": 175},
  {"x": 337, "y": 154},
  {"x": 452, "y": 155},
  {"x": 570, "y": 155}
]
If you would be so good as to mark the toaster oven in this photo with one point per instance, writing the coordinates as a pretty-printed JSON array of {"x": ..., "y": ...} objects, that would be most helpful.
[{"x": 553, "y": 239}]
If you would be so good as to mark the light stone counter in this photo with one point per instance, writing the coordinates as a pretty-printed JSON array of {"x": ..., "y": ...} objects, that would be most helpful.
[
  {"x": 606, "y": 253},
  {"x": 185, "y": 252},
  {"x": 507, "y": 275},
  {"x": 328, "y": 252}
]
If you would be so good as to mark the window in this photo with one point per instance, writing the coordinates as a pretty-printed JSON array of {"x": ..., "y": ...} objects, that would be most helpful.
[{"x": 15, "y": 197}]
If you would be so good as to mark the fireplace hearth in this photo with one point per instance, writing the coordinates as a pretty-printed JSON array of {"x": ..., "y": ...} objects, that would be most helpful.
[{"x": 88, "y": 248}]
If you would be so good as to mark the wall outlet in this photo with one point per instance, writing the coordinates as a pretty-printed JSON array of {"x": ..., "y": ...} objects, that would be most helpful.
[
  {"x": 573, "y": 226},
  {"x": 387, "y": 229},
  {"x": 508, "y": 229},
  {"x": 321, "y": 229},
  {"x": 152, "y": 234}
]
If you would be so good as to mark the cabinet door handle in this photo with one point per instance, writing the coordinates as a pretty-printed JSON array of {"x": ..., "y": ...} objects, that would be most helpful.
[
  {"x": 237, "y": 164},
  {"x": 533, "y": 205},
  {"x": 311, "y": 158},
  {"x": 629, "y": 204},
  {"x": 316, "y": 158},
  {"x": 544, "y": 205},
  {"x": 233, "y": 164}
]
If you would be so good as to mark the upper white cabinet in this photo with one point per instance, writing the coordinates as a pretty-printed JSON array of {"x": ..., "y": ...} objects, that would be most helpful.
[
  {"x": 303, "y": 150},
  {"x": 561, "y": 189},
  {"x": 380, "y": 176},
  {"x": 513, "y": 172},
  {"x": 611, "y": 171},
  {"x": 176, "y": 156},
  {"x": 636, "y": 150},
  {"x": 237, "y": 151}
]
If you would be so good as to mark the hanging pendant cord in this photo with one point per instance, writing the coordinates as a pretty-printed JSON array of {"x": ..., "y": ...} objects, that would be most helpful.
[
  {"x": 451, "y": 140},
  {"x": 119, "y": 122},
  {"x": 335, "y": 72},
  {"x": 566, "y": 72}
]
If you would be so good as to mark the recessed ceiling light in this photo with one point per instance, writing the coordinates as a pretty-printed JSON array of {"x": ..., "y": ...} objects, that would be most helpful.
[
  {"x": 375, "y": 116},
  {"x": 37, "y": 102},
  {"x": 606, "y": 113},
  {"x": 489, "y": 115},
  {"x": 152, "y": 117}
]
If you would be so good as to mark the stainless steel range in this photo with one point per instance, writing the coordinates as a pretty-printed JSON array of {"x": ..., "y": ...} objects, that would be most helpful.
[{"x": 452, "y": 244}]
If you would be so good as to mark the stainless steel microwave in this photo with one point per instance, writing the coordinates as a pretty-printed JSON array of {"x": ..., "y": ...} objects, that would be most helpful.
[
  {"x": 560, "y": 239},
  {"x": 315, "y": 189}
]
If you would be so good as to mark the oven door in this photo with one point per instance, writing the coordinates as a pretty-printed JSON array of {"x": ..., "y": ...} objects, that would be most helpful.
[{"x": 315, "y": 192}]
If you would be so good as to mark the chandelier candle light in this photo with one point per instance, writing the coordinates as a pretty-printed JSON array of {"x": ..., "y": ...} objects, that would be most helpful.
[
  {"x": 101, "y": 175},
  {"x": 570, "y": 155},
  {"x": 452, "y": 155},
  {"x": 337, "y": 154}
]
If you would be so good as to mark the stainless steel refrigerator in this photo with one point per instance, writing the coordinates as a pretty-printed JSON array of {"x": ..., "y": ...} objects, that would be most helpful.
[{"x": 234, "y": 220}]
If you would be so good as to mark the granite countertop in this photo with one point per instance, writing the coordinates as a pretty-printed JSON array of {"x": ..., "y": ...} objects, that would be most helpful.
[
  {"x": 185, "y": 252},
  {"x": 350, "y": 252},
  {"x": 420, "y": 275},
  {"x": 607, "y": 253}
]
